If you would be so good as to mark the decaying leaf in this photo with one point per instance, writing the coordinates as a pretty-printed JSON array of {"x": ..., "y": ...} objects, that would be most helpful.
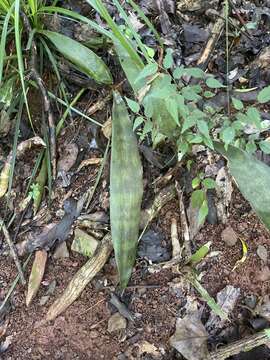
[
  {"x": 5, "y": 123},
  {"x": 190, "y": 338},
  {"x": 126, "y": 189},
  {"x": 226, "y": 299},
  {"x": 84, "y": 243},
  {"x": 21, "y": 149},
  {"x": 68, "y": 157},
  {"x": 36, "y": 276},
  {"x": 82, "y": 278},
  {"x": 87, "y": 162}
]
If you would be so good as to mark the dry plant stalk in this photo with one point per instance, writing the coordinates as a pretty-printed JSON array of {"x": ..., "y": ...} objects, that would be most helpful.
[
  {"x": 247, "y": 344},
  {"x": 86, "y": 273}
]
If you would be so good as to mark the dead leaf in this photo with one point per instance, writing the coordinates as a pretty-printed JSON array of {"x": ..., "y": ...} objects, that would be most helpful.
[
  {"x": 190, "y": 338},
  {"x": 87, "y": 162},
  {"x": 36, "y": 275},
  {"x": 226, "y": 299},
  {"x": 107, "y": 128},
  {"x": 116, "y": 322},
  {"x": 263, "y": 308},
  {"x": 68, "y": 157},
  {"x": 144, "y": 347},
  {"x": 61, "y": 251}
]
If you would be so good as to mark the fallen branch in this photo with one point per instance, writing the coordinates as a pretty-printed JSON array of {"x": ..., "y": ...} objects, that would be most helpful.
[
  {"x": 243, "y": 345},
  {"x": 82, "y": 278},
  {"x": 211, "y": 43}
]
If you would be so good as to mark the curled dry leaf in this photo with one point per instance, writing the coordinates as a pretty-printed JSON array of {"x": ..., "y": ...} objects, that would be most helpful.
[
  {"x": 36, "y": 276},
  {"x": 87, "y": 162}
]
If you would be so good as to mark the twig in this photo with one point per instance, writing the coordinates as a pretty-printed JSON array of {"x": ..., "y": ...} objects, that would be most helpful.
[
  {"x": 13, "y": 251},
  {"x": 45, "y": 96},
  {"x": 247, "y": 344},
  {"x": 184, "y": 223},
  {"x": 211, "y": 43},
  {"x": 176, "y": 248}
]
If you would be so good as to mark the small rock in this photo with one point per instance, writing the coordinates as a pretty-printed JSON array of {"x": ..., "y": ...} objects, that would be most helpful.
[
  {"x": 262, "y": 253},
  {"x": 264, "y": 274},
  {"x": 61, "y": 251},
  {"x": 116, "y": 322},
  {"x": 44, "y": 300},
  {"x": 229, "y": 236}
]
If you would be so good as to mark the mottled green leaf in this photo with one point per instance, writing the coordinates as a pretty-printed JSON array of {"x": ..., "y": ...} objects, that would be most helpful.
[
  {"x": 81, "y": 56},
  {"x": 126, "y": 189},
  {"x": 133, "y": 105},
  {"x": 252, "y": 177},
  {"x": 237, "y": 104}
]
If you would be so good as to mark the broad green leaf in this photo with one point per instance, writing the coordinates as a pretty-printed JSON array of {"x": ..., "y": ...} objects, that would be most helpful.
[
  {"x": 172, "y": 107},
  {"x": 264, "y": 95},
  {"x": 203, "y": 128},
  {"x": 203, "y": 212},
  {"x": 213, "y": 83},
  {"x": 252, "y": 177},
  {"x": 178, "y": 72},
  {"x": 209, "y": 183},
  {"x": 251, "y": 147},
  {"x": 197, "y": 198},
  {"x": 208, "y": 94},
  {"x": 168, "y": 59},
  {"x": 227, "y": 135},
  {"x": 200, "y": 253},
  {"x": 195, "y": 182},
  {"x": 137, "y": 122},
  {"x": 126, "y": 190},
  {"x": 195, "y": 72},
  {"x": 148, "y": 70},
  {"x": 254, "y": 117},
  {"x": 237, "y": 104},
  {"x": 189, "y": 122},
  {"x": 133, "y": 105},
  {"x": 189, "y": 94},
  {"x": 265, "y": 146},
  {"x": 81, "y": 56}
]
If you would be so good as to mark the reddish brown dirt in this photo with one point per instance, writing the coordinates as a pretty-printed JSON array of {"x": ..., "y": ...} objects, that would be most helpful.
[{"x": 81, "y": 332}]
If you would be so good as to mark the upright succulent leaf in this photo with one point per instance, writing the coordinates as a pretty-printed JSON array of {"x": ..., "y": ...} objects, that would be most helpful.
[
  {"x": 82, "y": 57},
  {"x": 126, "y": 189},
  {"x": 252, "y": 177}
]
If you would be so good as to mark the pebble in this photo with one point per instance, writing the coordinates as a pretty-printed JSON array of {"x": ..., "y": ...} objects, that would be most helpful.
[
  {"x": 116, "y": 322},
  {"x": 229, "y": 236},
  {"x": 262, "y": 253}
]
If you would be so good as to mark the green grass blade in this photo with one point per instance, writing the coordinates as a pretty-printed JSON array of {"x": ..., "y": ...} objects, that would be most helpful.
[
  {"x": 146, "y": 20},
  {"x": 20, "y": 56},
  {"x": 133, "y": 31},
  {"x": 101, "y": 9},
  {"x": 3, "y": 41}
]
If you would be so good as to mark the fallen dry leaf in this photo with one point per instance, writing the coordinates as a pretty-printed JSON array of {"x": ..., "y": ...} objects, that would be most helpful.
[
  {"x": 116, "y": 322},
  {"x": 36, "y": 275},
  {"x": 190, "y": 338},
  {"x": 68, "y": 157},
  {"x": 87, "y": 162}
]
